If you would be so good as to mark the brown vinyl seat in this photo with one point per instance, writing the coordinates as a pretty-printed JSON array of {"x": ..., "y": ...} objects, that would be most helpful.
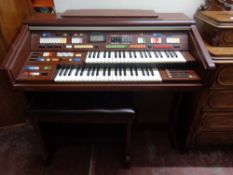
[{"x": 104, "y": 109}]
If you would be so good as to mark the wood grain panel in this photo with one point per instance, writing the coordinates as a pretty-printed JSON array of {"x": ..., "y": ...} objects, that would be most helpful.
[
  {"x": 215, "y": 138},
  {"x": 221, "y": 100},
  {"x": 12, "y": 13},
  {"x": 218, "y": 121},
  {"x": 226, "y": 52},
  {"x": 2, "y": 50},
  {"x": 11, "y": 104},
  {"x": 225, "y": 76}
]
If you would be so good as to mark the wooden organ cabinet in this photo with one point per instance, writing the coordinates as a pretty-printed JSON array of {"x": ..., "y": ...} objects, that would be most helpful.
[
  {"x": 97, "y": 51},
  {"x": 214, "y": 116}
]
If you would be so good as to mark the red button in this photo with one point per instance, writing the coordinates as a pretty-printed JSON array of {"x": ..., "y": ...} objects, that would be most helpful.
[{"x": 163, "y": 46}]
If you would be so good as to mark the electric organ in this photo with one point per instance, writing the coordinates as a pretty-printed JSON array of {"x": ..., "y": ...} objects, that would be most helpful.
[
  {"x": 108, "y": 50},
  {"x": 57, "y": 56}
]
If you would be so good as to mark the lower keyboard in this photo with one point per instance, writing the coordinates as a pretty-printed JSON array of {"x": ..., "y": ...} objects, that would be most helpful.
[{"x": 107, "y": 74}]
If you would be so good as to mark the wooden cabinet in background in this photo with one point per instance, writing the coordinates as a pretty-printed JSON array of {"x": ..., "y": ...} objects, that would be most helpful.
[
  {"x": 217, "y": 5},
  {"x": 45, "y": 6},
  {"x": 12, "y": 14},
  {"x": 213, "y": 121}
]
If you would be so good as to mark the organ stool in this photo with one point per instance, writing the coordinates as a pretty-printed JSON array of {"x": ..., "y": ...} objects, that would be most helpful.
[{"x": 85, "y": 108}]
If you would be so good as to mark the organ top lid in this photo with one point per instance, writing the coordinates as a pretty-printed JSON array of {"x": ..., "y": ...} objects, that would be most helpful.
[{"x": 110, "y": 13}]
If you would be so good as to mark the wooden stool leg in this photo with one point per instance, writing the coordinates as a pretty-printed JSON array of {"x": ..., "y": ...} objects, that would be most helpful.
[
  {"x": 41, "y": 140},
  {"x": 127, "y": 145}
]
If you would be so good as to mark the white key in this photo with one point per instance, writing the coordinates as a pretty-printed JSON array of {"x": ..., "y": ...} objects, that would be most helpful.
[
  {"x": 101, "y": 58},
  {"x": 57, "y": 78},
  {"x": 111, "y": 57},
  {"x": 100, "y": 75},
  {"x": 127, "y": 57},
  {"x": 157, "y": 76}
]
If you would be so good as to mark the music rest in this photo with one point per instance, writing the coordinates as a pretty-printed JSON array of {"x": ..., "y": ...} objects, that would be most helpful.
[{"x": 104, "y": 13}]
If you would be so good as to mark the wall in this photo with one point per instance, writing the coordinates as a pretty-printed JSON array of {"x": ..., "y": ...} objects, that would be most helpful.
[{"x": 186, "y": 6}]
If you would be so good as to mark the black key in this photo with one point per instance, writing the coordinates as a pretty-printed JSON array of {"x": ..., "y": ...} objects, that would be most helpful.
[
  {"x": 143, "y": 73},
  {"x": 115, "y": 54},
  {"x": 171, "y": 54},
  {"x": 147, "y": 72},
  {"x": 93, "y": 72},
  {"x": 109, "y": 71},
  {"x": 151, "y": 71},
  {"x": 97, "y": 71},
  {"x": 136, "y": 71},
  {"x": 131, "y": 71},
  {"x": 167, "y": 54},
  {"x": 115, "y": 70},
  {"x": 94, "y": 54},
  {"x": 124, "y": 54},
  {"x": 104, "y": 54},
  {"x": 89, "y": 71},
  {"x": 175, "y": 54},
  {"x": 62, "y": 70},
  {"x": 88, "y": 54},
  {"x": 130, "y": 54},
  {"x": 135, "y": 55},
  {"x": 119, "y": 54},
  {"x": 70, "y": 71},
  {"x": 82, "y": 71},
  {"x": 109, "y": 54},
  {"x": 120, "y": 69},
  {"x": 104, "y": 71},
  {"x": 149, "y": 54},
  {"x": 145, "y": 54},
  {"x": 141, "y": 54},
  {"x": 98, "y": 54},
  {"x": 77, "y": 71},
  {"x": 124, "y": 69},
  {"x": 156, "y": 55},
  {"x": 160, "y": 54},
  {"x": 66, "y": 70}
]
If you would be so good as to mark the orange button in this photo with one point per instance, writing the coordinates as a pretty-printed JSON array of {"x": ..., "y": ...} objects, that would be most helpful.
[
  {"x": 137, "y": 46},
  {"x": 55, "y": 59}
]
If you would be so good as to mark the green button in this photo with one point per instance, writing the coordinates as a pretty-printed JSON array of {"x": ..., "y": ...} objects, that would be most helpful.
[
  {"x": 116, "y": 46},
  {"x": 47, "y": 68}
]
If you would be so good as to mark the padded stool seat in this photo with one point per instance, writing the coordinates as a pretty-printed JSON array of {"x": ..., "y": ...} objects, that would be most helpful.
[{"x": 110, "y": 109}]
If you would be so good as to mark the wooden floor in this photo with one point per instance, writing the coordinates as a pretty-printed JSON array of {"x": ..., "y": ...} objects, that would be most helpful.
[{"x": 152, "y": 154}]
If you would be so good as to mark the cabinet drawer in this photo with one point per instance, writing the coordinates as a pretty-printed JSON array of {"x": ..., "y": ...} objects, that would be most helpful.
[
  {"x": 226, "y": 38},
  {"x": 217, "y": 121},
  {"x": 214, "y": 138},
  {"x": 225, "y": 75},
  {"x": 221, "y": 99}
]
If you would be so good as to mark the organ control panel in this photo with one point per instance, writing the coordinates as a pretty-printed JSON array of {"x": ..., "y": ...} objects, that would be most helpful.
[{"x": 141, "y": 51}]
